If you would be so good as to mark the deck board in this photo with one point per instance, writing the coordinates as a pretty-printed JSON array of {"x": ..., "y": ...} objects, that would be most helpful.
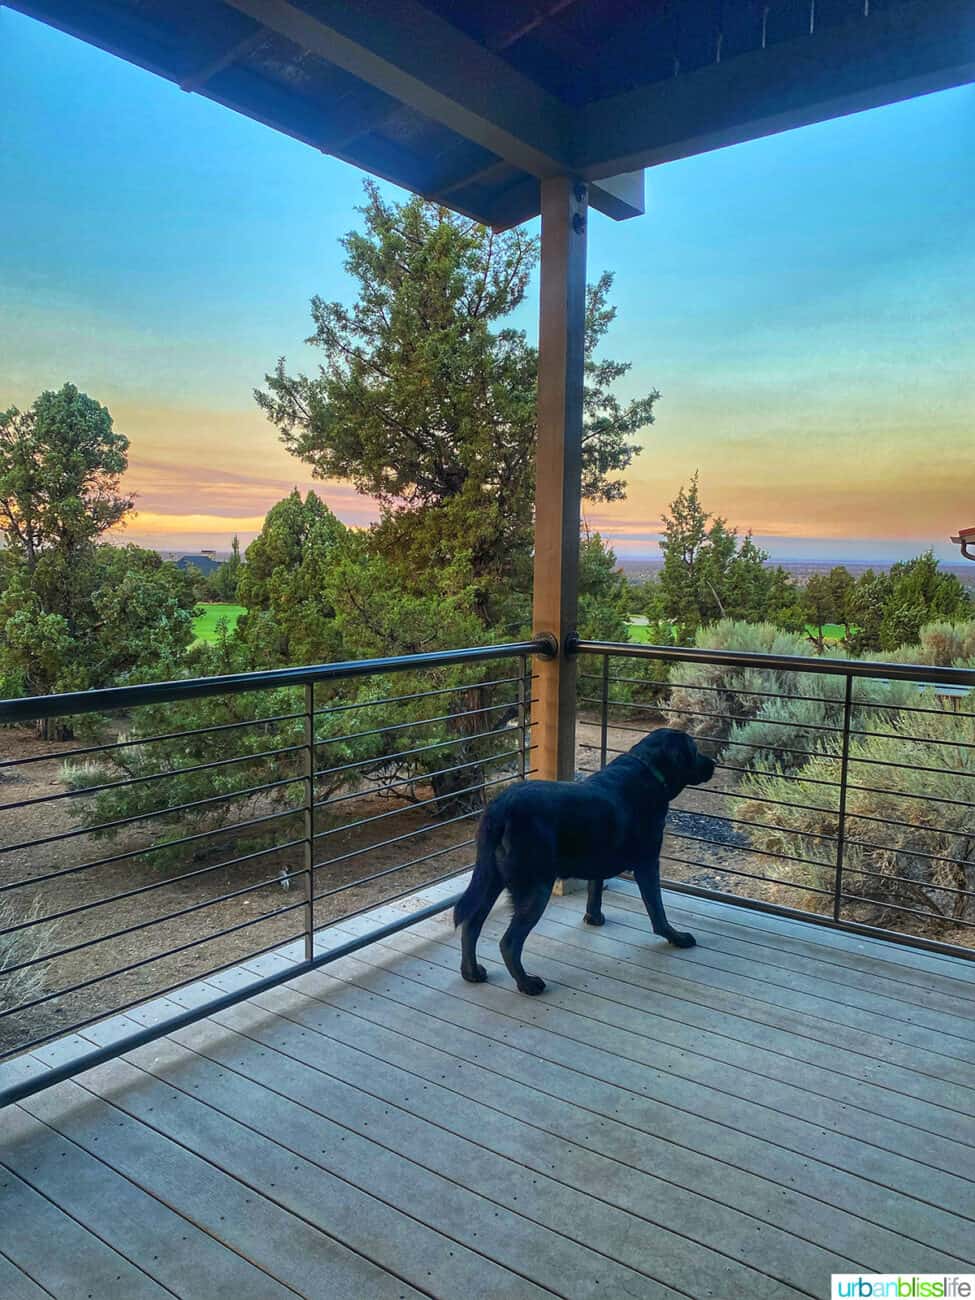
[
  {"x": 560, "y": 1031},
  {"x": 164, "y": 1244},
  {"x": 848, "y": 947},
  {"x": 957, "y": 1010},
  {"x": 746, "y": 1117},
  {"x": 16, "y": 1285}
]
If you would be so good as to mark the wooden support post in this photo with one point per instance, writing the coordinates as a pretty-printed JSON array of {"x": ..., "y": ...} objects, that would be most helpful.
[{"x": 558, "y": 466}]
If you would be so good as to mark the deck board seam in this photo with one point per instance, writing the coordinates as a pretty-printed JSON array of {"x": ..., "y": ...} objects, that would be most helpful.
[
  {"x": 343, "y": 1245},
  {"x": 814, "y": 932},
  {"x": 845, "y": 1172},
  {"x": 24, "y": 1273},
  {"x": 340, "y": 1177},
  {"x": 702, "y": 920},
  {"x": 87, "y": 1228},
  {"x": 502, "y": 1156},
  {"x": 146, "y": 1191}
]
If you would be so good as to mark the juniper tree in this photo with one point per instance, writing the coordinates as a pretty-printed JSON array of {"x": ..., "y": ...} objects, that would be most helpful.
[{"x": 425, "y": 396}]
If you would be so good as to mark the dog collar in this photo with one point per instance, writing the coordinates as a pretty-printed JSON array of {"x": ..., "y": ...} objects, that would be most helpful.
[{"x": 655, "y": 772}]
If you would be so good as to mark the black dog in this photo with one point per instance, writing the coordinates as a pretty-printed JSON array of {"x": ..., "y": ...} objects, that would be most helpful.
[{"x": 542, "y": 831}]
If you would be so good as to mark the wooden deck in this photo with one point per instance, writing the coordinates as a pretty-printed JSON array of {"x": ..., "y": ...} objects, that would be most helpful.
[{"x": 740, "y": 1119}]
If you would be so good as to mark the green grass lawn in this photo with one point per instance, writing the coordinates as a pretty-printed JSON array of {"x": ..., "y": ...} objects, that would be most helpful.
[
  {"x": 638, "y": 632},
  {"x": 831, "y": 631},
  {"x": 205, "y": 626}
]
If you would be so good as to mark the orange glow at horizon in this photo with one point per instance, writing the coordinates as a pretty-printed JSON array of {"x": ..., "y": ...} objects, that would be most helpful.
[{"x": 789, "y": 488}]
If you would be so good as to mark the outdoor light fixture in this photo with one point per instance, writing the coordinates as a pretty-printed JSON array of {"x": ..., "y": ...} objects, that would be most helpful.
[{"x": 966, "y": 540}]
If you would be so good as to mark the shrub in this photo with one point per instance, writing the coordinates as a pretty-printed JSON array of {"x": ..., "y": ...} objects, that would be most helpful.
[
  {"x": 711, "y": 699},
  {"x": 941, "y": 644},
  {"x": 218, "y": 754},
  {"x": 910, "y": 839},
  {"x": 23, "y": 945},
  {"x": 784, "y": 733}
]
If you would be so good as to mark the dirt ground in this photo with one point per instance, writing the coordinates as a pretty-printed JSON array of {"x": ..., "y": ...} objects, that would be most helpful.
[
  {"x": 267, "y": 914},
  {"x": 699, "y": 846}
]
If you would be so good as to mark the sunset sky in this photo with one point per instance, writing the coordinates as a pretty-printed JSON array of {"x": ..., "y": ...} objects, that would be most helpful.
[{"x": 805, "y": 304}]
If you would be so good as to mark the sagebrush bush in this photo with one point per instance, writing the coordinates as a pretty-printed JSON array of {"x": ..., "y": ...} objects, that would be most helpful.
[
  {"x": 17, "y": 986},
  {"x": 910, "y": 837},
  {"x": 941, "y": 644},
  {"x": 730, "y": 696},
  {"x": 785, "y": 733}
]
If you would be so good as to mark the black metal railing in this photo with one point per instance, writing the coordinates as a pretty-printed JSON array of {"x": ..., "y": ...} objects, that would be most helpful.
[
  {"x": 240, "y": 813},
  {"x": 844, "y": 792}
]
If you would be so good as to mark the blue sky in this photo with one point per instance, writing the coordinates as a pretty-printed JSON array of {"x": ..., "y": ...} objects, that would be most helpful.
[{"x": 804, "y": 304}]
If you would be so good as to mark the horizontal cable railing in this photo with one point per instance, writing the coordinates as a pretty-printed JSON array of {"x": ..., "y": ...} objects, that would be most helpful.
[
  {"x": 174, "y": 829},
  {"x": 843, "y": 788}
]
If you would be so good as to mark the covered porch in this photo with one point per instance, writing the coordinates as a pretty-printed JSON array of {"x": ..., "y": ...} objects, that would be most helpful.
[{"x": 285, "y": 1088}]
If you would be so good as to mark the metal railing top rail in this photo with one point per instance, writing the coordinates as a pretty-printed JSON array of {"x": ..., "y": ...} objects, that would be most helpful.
[
  {"x": 933, "y": 676},
  {"x": 34, "y": 707}
]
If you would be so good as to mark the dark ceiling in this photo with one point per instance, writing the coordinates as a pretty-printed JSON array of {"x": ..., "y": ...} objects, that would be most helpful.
[{"x": 472, "y": 101}]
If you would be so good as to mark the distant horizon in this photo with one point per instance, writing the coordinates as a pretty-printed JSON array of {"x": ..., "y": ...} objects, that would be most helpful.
[{"x": 786, "y": 551}]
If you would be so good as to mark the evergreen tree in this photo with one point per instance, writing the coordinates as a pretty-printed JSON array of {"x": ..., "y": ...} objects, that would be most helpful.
[
  {"x": 825, "y": 600},
  {"x": 889, "y": 609},
  {"x": 75, "y": 613},
  {"x": 425, "y": 399},
  {"x": 226, "y": 578},
  {"x": 709, "y": 574}
]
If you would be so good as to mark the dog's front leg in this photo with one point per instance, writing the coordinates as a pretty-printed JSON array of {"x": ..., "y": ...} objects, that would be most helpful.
[
  {"x": 648, "y": 882},
  {"x": 594, "y": 904}
]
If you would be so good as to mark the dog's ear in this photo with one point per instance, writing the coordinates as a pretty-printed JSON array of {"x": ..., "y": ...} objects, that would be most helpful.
[
  {"x": 665, "y": 750},
  {"x": 700, "y": 767}
]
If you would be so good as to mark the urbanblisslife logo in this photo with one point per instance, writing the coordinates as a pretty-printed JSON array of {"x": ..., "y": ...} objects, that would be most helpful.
[{"x": 903, "y": 1286}]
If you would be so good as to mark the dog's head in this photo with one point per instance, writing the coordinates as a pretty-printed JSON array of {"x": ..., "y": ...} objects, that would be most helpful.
[{"x": 673, "y": 757}]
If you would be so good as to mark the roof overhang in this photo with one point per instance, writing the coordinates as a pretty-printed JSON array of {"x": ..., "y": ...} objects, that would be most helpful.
[{"x": 472, "y": 105}]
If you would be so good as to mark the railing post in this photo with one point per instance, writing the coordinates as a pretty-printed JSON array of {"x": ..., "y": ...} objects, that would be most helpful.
[
  {"x": 844, "y": 771},
  {"x": 309, "y": 809},
  {"x": 604, "y": 720},
  {"x": 558, "y": 466}
]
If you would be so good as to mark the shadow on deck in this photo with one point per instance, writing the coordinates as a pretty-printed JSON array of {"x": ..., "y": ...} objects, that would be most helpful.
[{"x": 743, "y": 1118}]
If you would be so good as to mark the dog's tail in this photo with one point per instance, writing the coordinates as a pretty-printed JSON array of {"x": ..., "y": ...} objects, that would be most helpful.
[{"x": 486, "y": 883}]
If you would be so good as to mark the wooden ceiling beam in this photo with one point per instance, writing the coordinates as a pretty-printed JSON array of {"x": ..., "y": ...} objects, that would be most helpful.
[
  {"x": 893, "y": 54},
  {"x": 419, "y": 59}
]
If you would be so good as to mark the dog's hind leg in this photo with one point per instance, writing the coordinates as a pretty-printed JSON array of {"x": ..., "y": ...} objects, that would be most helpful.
[
  {"x": 594, "y": 904},
  {"x": 529, "y": 906},
  {"x": 470, "y": 931}
]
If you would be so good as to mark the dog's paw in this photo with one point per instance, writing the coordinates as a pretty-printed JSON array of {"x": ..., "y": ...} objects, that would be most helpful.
[
  {"x": 594, "y": 918},
  {"x": 681, "y": 939},
  {"x": 532, "y": 985},
  {"x": 476, "y": 976}
]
